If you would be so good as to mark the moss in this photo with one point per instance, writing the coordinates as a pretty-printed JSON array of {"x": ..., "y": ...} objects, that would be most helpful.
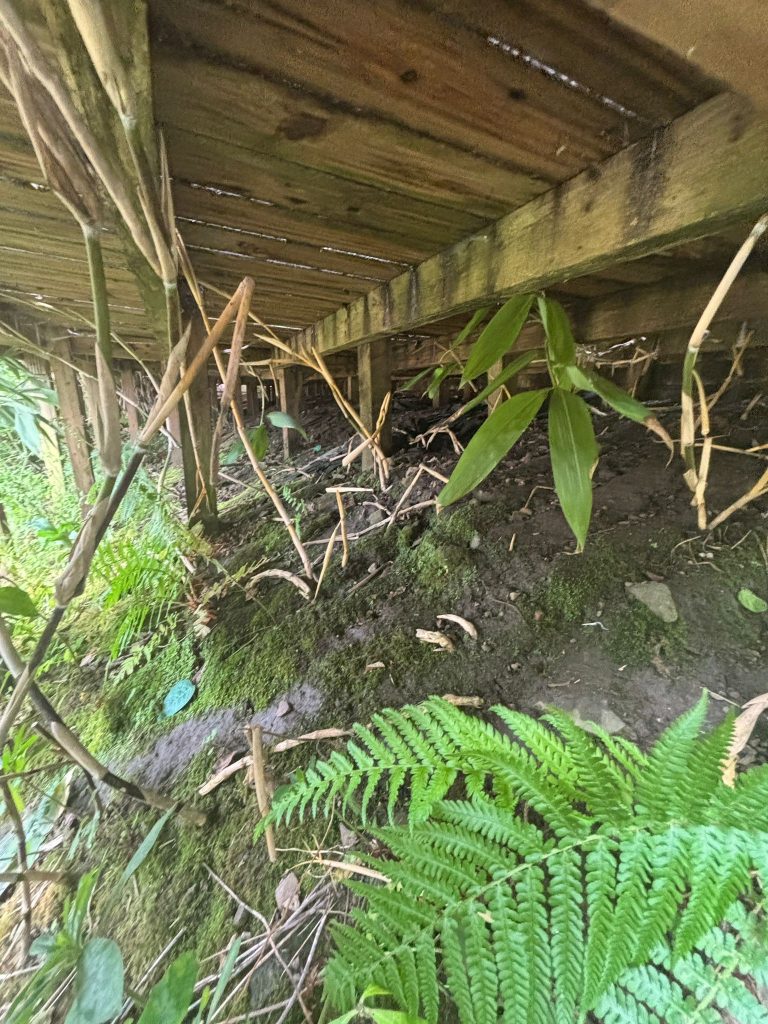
[
  {"x": 580, "y": 583},
  {"x": 634, "y": 635}
]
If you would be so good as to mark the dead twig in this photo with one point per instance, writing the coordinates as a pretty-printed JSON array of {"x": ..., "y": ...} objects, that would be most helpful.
[{"x": 260, "y": 785}]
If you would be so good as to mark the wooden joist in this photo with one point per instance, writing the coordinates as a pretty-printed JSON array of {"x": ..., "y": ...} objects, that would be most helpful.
[
  {"x": 660, "y": 191},
  {"x": 723, "y": 38}
]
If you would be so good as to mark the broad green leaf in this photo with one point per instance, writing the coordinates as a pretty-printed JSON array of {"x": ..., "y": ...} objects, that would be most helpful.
[
  {"x": 14, "y": 601},
  {"x": 491, "y": 443},
  {"x": 278, "y": 418},
  {"x": 170, "y": 998},
  {"x": 557, "y": 327},
  {"x": 392, "y": 1016},
  {"x": 98, "y": 983},
  {"x": 145, "y": 848},
  {"x": 612, "y": 394},
  {"x": 498, "y": 337},
  {"x": 177, "y": 698},
  {"x": 574, "y": 453},
  {"x": 345, "y": 1018},
  {"x": 506, "y": 374},
  {"x": 260, "y": 441},
  {"x": 749, "y": 600}
]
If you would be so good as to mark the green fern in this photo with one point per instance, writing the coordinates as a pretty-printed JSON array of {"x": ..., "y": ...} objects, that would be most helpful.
[{"x": 567, "y": 875}]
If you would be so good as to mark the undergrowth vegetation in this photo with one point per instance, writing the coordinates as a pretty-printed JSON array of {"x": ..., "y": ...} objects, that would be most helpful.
[{"x": 572, "y": 874}]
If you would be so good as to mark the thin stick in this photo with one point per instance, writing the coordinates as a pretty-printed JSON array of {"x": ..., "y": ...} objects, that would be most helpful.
[
  {"x": 326, "y": 561},
  {"x": 21, "y": 844},
  {"x": 303, "y": 977},
  {"x": 343, "y": 526},
  {"x": 260, "y": 784}
]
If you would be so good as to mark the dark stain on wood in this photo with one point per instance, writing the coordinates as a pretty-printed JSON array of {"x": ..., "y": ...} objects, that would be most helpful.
[
  {"x": 413, "y": 293},
  {"x": 386, "y": 304},
  {"x": 411, "y": 75},
  {"x": 647, "y": 182},
  {"x": 302, "y": 126}
]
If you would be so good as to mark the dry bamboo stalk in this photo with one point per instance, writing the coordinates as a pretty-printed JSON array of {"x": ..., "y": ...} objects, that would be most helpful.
[
  {"x": 326, "y": 560},
  {"x": 343, "y": 527},
  {"x": 260, "y": 784},
  {"x": 21, "y": 845},
  {"x": 687, "y": 416},
  {"x": 34, "y": 875}
]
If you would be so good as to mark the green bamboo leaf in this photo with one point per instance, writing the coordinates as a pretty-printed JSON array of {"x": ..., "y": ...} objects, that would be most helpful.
[
  {"x": 611, "y": 394},
  {"x": 498, "y": 337},
  {"x": 14, "y": 601},
  {"x": 491, "y": 443},
  {"x": 557, "y": 328},
  {"x": 506, "y": 374},
  {"x": 469, "y": 326},
  {"x": 437, "y": 379},
  {"x": 286, "y": 421},
  {"x": 145, "y": 848},
  {"x": 260, "y": 441},
  {"x": 574, "y": 453},
  {"x": 415, "y": 379},
  {"x": 98, "y": 984}
]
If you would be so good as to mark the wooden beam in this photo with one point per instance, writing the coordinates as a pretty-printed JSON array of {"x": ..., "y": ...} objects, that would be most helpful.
[
  {"x": 671, "y": 305},
  {"x": 71, "y": 415},
  {"x": 290, "y": 381},
  {"x": 706, "y": 170},
  {"x": 374, "y": 374},
  {"x": 727, "y": 39},
  {"x": 197, "y": 436}
]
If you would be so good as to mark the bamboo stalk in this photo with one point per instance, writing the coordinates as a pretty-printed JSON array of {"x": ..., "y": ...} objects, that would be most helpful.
[
  {"x": 21, "y": 844},
  {"x": 260, "y": 784}
]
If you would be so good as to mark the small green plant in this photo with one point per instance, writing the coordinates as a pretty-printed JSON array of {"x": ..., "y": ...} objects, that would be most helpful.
[
  {"x": 574, "y": 876},
  {"x": 574, "y": 452},
  {"x": 21, "y": 396}
]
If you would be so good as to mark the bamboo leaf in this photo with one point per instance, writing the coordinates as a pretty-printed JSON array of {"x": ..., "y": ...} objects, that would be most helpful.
[
  {"x": 286, "y": 421},
  {"x": 170, "y": 998},
  {"x": 437, "y": 379},
  {"x": 498, "y": 337},
  {"x": 260, "y": 441},
  {"x": 612, "y": 394},
  {"x": 145, "y": 848},
  {"x": 506, "y": 374},
  {"x": 416, "y": 378},
  {"x": 574, "y": 453},
  {"x": 557, "y": 328},
  {"x": 491, "y": 443}
]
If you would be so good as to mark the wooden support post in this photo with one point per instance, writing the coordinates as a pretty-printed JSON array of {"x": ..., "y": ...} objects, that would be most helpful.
[
  {"x": 443, "y": 393},
  {"x": 290, "y": 381},
  {"x": 374, "y": 374},
  {"x": 128, "y": 388},
  {"x": 254, "y": 399},
  {"x": 71, "y": 415},
  {"x": 352, "y": 390},
  {"x": 197, "y": 436}
]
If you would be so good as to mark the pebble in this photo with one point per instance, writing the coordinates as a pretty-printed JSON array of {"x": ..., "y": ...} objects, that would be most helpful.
[
  {"x": 657, "y": 597},
  {"x": 475, "y": 541}
]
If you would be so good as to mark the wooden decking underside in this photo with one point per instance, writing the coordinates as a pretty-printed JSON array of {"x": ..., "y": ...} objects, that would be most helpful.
[{"x": 326, "y": 147}]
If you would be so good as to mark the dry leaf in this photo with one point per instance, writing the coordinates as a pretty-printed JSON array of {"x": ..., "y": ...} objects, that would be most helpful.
[
  {"x": 742, "y": 730},
  {"x": 348, "y": 837},
  {"x": 465, "y": 624},
  {"x": 283, "y": 708},
  {"x": 433, "y": 636},
  {"x": 318, "y": 734},
  {"x": 373, "y": 665},
  {"x": 288, "y": 891},
  {"x": 463, "y": 702}
]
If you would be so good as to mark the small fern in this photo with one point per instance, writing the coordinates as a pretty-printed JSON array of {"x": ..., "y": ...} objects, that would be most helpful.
[{"x": 573, "y": 875}]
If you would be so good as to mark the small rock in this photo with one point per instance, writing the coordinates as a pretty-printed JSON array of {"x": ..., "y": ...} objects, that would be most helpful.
[
  {"x": 611, "y": 722},
  {"x": 475, "y": 541},
  {"x": 283, "y": 708},
  {"x": 348, "y": 837},
  {"x": 287, "y": 892},
  {"x": 657, "y": 597}
]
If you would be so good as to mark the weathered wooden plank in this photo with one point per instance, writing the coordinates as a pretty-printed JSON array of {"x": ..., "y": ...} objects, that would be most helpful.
[
  {"x": 652, "y": 195},
  {"x": 395, "y": 63},
  {"x": 726, "y": 39},
  {"x": 672, "y": 304}
]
